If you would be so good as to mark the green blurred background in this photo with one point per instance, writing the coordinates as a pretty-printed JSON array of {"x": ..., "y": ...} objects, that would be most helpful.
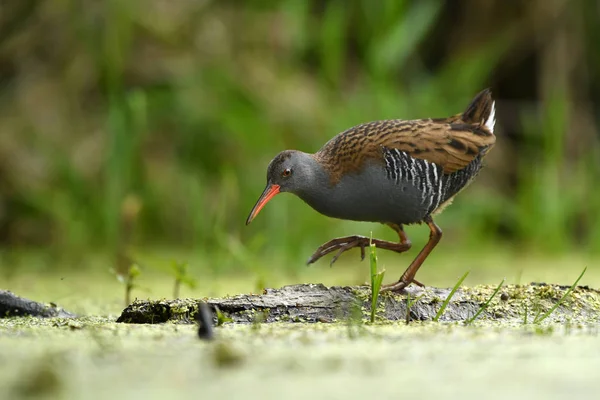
[{"x": 141, "y": 130}]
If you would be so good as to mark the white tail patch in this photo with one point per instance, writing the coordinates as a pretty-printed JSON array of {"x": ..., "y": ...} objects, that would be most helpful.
[{"x": 491, "y": 121}]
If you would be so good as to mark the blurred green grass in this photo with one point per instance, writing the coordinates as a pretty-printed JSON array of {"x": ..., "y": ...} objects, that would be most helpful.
[{"x": 177, "y": 109}]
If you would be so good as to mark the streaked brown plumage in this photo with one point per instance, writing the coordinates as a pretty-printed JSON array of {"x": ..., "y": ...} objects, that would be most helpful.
[
  {"x": 449, "y": 142},
  {"x": 393, "y": 171}
]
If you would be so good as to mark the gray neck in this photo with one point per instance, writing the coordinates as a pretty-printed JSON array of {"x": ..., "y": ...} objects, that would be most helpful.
[{"x": 315, "y": 188}]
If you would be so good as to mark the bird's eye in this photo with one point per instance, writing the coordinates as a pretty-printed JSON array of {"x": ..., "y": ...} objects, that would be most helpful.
[{"x": 286, "y": 172}]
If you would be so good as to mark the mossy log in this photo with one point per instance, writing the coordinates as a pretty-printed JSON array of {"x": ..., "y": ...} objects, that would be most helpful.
[
  {"x": 317, "y": 303},
  {"x": 12, "y": 305}
]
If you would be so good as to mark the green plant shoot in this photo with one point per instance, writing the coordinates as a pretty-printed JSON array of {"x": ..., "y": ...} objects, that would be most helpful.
[
  {"x": 376, "y": 280},
  {"x": 222, "y": 318},
  {"x": 539, "y": 318},
  {"x": 181, "y": 272},
  {"x": 129, "y": 280},
  {"x": 486, "y": 304},
  {"x": 410, "y": 301},
  {"x": 445, "y": 303}
]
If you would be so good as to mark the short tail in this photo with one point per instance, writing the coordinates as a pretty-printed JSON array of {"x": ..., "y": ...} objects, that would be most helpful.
[{"x": 482, "y": 110}]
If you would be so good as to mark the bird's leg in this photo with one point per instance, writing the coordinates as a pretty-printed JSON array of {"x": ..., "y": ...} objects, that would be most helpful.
[
  {"x": 409, "y": 275},
  {"x": 346, "y": 243}
]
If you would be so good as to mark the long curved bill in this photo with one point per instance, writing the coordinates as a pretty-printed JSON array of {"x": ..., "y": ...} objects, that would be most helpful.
[{"x": 270, "y": 192}]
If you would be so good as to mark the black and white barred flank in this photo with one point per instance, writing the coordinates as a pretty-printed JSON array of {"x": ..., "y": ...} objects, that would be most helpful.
[{"x": 435, "y": 186}]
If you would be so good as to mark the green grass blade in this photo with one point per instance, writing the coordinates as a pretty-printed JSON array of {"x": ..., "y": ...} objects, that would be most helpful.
[
  {"x": 445, "y": 303},
  {"x": 539, "y": 319},
  {"x": 372, "y": 263},
  {"x": 376, "y": 280},
  {"x": 539, "y": 311},
  {"x": 408, "y": 305},
  {"x": 485, "y": 305},
  {"x": 375, "y": 297}
]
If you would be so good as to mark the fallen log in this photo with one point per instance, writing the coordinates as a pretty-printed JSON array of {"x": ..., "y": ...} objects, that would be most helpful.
[
  {"x": 318, "y": 303},
  {"x": 12, "y": 305}
]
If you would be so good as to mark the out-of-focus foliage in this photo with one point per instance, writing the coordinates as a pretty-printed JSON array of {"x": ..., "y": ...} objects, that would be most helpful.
[{"x": 145, "y": 122}]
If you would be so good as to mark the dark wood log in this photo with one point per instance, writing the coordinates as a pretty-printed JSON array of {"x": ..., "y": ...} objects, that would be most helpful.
[
  {"x": 317, "y": 303},
  {"x": 12, "y": 305}
]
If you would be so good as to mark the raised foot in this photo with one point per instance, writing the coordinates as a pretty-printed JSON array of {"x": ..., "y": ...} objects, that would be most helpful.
[
  {"x": 346, "y": 243},
  {"x": 341, "y": 244}
]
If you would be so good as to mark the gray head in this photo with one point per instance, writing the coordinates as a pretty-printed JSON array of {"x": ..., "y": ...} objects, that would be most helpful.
[{"x": 290, "y": 171}]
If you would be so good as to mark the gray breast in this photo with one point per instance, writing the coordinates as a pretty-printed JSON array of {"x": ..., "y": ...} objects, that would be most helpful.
[{"x": 404, "y": 190}]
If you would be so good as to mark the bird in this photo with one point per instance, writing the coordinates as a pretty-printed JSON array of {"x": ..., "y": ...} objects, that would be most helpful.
[{"x": 395, "y": 172}]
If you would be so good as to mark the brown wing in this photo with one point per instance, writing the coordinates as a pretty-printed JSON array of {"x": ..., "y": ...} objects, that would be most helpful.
[
  {"x": 451, "y": 142},
  {"x": 451, "y": 145}
]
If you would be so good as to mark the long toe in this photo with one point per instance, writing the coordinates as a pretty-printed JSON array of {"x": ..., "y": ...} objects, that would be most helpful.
[
  {"x": 312, "y": 259},
  {"x": 320, "y": 252},
  {"x": 416, "y": 282},
  {"x": 343, "y": 244},
  {"x": 359, "y": 242},
  {"x": 344, "y": 248},
  {"x": 398, "y": 287},
  {"x": 331, "y": 246}
]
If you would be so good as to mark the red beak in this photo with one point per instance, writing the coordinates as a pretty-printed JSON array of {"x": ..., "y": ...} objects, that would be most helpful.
[{"x": 268, "y": 194}]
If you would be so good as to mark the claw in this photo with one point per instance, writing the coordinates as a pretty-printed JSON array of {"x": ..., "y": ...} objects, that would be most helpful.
[
  {"x": 337, "y": 255},
  {"x": 416, "y": 282},
  {"x": 334, "y": 259},
  {"x": 324, "y": 250},
  {"x": 349, "y": 242},
  {"x": 345, "y": 246}
]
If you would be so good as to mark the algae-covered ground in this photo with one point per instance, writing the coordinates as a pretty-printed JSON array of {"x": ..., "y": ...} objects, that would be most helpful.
[{"x": 93, "y": 357}]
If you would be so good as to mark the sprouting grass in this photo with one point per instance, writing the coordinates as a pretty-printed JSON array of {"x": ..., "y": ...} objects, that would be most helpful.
[
  {"x": 182, "y": 276},
  {"x": 376, "y": 280},
  {"x": 409, "y": 303},
  {"x": 129, "y": 280},
  {"x": 221, "y": 318},
  {"x": 538, "y": 319},
  {"x": 449, "y": 297},
  {"x": 486, "y": 304}
]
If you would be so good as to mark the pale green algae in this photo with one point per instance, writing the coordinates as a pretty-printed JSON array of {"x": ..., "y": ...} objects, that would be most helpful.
[
  {"x": 97, "y": 358},
  {"x": 497, "y": 357}
]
